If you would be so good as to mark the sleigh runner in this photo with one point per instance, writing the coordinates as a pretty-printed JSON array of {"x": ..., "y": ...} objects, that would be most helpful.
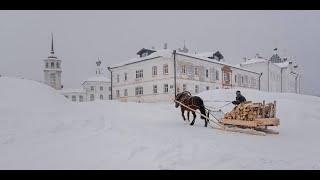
[{"x": 249, "y": 118}]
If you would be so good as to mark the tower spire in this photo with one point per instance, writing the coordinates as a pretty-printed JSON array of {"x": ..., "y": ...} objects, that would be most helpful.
[{"x": 52, "y": 50}]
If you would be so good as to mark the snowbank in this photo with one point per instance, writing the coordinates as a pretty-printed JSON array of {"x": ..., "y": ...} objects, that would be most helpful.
[{"x": 118, "y": 135}]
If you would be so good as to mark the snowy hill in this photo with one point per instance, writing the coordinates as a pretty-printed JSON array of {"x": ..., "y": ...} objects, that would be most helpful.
[{"x": 40, "y": 129}]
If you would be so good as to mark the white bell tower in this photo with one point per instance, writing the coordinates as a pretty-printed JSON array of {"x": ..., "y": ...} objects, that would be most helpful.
[{"x": 52, "y": 69}]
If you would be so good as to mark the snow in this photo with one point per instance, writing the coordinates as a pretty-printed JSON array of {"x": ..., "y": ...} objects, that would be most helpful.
[
  {"x": 254, "y": 60},
  {"x": 40, "y": 129},
  {"x": 158, "y": 53},
  {"x": 283, "y": 64},
  {"x": 72, "y": 91},
  {"x": 98, "y": 78}
]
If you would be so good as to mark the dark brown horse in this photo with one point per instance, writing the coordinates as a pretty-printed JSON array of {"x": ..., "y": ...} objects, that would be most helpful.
[{"x": 194, "y": 103}]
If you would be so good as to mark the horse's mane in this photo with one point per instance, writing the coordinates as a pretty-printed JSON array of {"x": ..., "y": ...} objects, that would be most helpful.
[{"x": 182, "y": 93}]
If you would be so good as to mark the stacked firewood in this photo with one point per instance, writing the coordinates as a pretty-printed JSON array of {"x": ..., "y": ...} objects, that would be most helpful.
[{"x": 249, "y": 111}]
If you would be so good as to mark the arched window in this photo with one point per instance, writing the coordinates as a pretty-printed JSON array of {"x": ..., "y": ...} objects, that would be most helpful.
[
  {"x": 101, "y": 96},
  {"x": 52, "y": 65}
]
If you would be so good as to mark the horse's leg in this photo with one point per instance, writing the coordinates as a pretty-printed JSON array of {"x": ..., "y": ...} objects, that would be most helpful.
[
  {"x": 194, "y": 118},
  {"x": 182, "y": 113},
  {"x": 189, "y": 116}
]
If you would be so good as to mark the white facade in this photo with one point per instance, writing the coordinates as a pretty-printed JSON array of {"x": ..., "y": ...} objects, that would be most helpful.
[
  {"x": 150, "y": 78},
  {"x": 281, "y": 76},
  {"x": 52, "y": 70},
  {"x": 94, "y": 88}
]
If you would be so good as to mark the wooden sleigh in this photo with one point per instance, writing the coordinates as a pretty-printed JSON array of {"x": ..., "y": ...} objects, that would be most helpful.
[{"x": 249, "y": 118}]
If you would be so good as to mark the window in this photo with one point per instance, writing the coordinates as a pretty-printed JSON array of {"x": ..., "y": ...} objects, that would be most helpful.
[
  {"x": 101, "y": 88},
  {"x": 246, "y": 79},
  {"x": 171, "y": 86},
  {"x": 165, "y": 69},
  {"x": 184, "y": 87},
  {"x": 58, "y": 65},
  {"x": 125, "y": 76},
  {"x": 101, "y": 96},
  {"x": 217, "y": 75},
  {"x": 52, "y": 65},
  {"x": 196, "y": 89},
  {"x": 47, "y": 65},
  {"x": 207, "y": 73},
  {"x": 91, "y": 88},
  {"x": 91, "y": 97},
  {"x": 52, "y": 79},
  {"x": 155, "y": 89},
  {"x": 226, "y": 77},
  {"x": 165, "y": 88},
  {"x": 118, "y": 93},
  {"x": 241, "y": 79},
  {"x": 139, "y": 90},
  {"x": 253, "y": 82},
  {"x": 66, "y": 96},
  {"x": 154, "y": 70},
  {"x": 118, "y": 78},
  {"x": 74, "y": 98},
  {"x": 207, "y": 88},
  {"x": 196, "y": 71},
  {"x": 183, "y": 69},
  {"x": 125, "y": 92},
  {"x": 81, "y": 98},
  {"x": 139, "y": 74}
]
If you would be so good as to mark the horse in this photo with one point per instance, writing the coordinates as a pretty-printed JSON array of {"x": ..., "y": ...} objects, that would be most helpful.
[{"x": 194, "y": 103}]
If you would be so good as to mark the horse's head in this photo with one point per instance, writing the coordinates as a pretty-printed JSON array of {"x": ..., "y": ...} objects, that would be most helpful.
[{"x": 177, "y": 98}]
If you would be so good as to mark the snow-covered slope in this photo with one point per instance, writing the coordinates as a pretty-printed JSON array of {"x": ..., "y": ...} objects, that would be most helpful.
[{"x": 39, "y": 129}]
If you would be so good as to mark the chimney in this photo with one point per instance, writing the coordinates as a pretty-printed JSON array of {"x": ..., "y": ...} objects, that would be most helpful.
[{"x": 165, "y": 46}]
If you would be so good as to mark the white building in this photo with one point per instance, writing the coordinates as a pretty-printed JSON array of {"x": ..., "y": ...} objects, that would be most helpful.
[
  {"x": 93, "y": 88},
  {"x": 52, "y": 70},
  {"x": 153, "y": 75},
  {"x": 278, "y": 74}
]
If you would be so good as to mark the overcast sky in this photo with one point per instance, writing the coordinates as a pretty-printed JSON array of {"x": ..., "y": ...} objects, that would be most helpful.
[{"x": 80, "y": 37}]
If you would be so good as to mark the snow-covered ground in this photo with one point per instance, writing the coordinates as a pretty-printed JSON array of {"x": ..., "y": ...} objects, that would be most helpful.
[{"x": 40, "y": 129}]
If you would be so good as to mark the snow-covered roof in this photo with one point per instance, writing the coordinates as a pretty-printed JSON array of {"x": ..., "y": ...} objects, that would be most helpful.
[
  {"x": 215, "y": 61},
  {"x": 158, "y": 53},
  {"x": 283, "y": 64},
  {"x": 71, "y": 91},
  {"x": 254, "y": 60},
  {"x": 168, "y": 53},
  {"x": 205, "y": 54},
  {"x": 98, "y": 78}
]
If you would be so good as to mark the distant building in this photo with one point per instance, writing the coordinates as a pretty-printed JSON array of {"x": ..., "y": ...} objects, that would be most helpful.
[
  {"x": 52, "y": 70},
  {"x": 278, "y": 74},
  {"x": 93, "y": 88},
  {"x": 151, "y": 76}
]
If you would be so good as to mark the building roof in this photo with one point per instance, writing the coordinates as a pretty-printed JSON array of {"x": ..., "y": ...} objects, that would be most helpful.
[
  {"x": 215, "y": 61},
  {"x": 98, "y": 79},
  {"x": 158, "y": 53},
  {"x": 169, "y": 53},
  {"x": 283, "y": 64},
  {"x": 254, "y": 60},
  {"x": 72, "y": 91}
]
